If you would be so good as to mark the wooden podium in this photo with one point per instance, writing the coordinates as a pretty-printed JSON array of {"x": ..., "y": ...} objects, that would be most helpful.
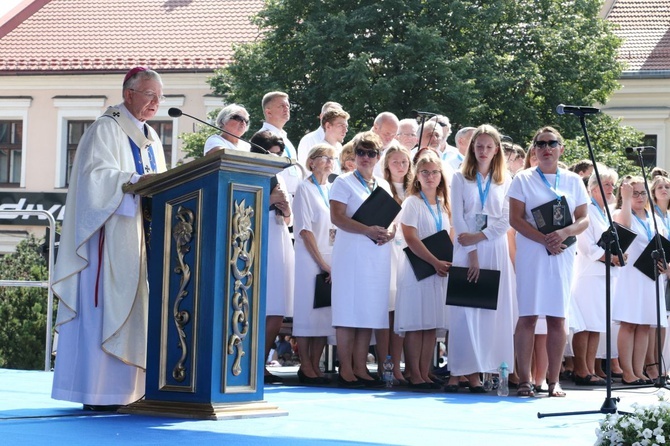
[{"x": 205, "y": 350}]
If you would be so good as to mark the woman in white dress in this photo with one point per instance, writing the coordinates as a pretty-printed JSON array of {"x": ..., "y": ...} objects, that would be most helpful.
[
  {"x": 281, "y": 257},
  {"x": 397, "y": 171},
  {"x": 634, "y": 304},
  {"x": 361, "y": 265},
  {"x": 479, "y": 339},
  {"x": 313, "y": 248},
  {"x": 587, "y": 316},
  {"x": 544, "y": 264},
  {"x": 234, "y": 119},
  {"x": 420, "y": 308}
]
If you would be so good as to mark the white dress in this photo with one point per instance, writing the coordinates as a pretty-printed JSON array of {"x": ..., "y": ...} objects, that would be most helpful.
[
  {"x": 480, "y": 340},
  {"x": 397, "y": 246},
  {"x": 311, "y": 213},
  {"x": 543, "y": 281},
  {"x": 420, "y": 305},
  {"x": 587, "y": 307},
  {"x": 635, "y": 294},
  {"x": 280, "y": 266},
  {"x": 361, "y": 270}
]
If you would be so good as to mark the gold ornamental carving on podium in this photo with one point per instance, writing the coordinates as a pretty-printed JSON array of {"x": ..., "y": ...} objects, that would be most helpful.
[{"x": 182, "y": 234}]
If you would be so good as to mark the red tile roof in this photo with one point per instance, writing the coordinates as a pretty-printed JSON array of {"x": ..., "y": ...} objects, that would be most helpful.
[
  {"x": 114, "y": 35},
  {"x": 644, "y": 26}
]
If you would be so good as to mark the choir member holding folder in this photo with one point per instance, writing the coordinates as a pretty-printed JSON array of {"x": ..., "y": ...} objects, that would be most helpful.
[
  {"x": 544, "y": 263},
  {"x": 587, "y": 309},
  {"x": 360, "y": 268},
  {"x": 634, "y": 304},
  {"x": 481, "y": 339},
  {"x": 315, "y": 234},
  {"x": 420, "y": 310}
]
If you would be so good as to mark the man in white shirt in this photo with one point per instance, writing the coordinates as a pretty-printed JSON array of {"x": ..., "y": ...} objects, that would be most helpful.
[
  {"x": 315, "y": 137},
  {"x": 408, "y": 133},
  {"x": 463, "y": 137},
  {"x": 277, "y": 112},
  {"x": 335, "y": 127},
  {"x": 386, "y": 126}
]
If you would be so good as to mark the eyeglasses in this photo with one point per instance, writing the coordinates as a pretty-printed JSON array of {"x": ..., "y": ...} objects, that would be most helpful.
[
  {"x": 150, "y": 94},
  {"x": 544, "y": 144},
  {"x": 639, "y": 194},
  {"x": 368, "y": 153},
  {"x": 325, "y": 158},
  {"x": 239, "y": 118},
  {"x": 409, "y": 135},
  {"x": 430, "y": 173}
]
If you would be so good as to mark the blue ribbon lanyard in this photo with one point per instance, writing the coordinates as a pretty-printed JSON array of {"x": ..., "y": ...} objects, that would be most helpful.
[
  {"x": 318, "y": 186},
  {"x": 438, "y": 217},
  {"x": 483, "y": 194},
  {"x": 365, "y": 185},
  {"x": 645, "y": 224},
  {"x": 556, "y": 182},
  {"x": 666, "y": 222},
  {"x": 602, "y": 213}
]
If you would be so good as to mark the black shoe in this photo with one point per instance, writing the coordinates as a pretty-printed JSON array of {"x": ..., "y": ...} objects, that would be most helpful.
[
  {"x": 356, "y": 384},
  {"x": 477, "y": 389},
  {"x": 451, "y": 388},
  {"x": 108, "y": 408},
  {"x": 371, "y": 383},
  {"x": 589, "y": 381},
  {"x": 637, "y": 382},
  {"x": 421, "y": 387},
  {"x": 272, "y": 379}
]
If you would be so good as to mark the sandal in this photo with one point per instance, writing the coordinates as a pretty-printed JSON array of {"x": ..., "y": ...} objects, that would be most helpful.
[
  {"x": 525, "y": 389},
  {"x": 556, "y": 391}
]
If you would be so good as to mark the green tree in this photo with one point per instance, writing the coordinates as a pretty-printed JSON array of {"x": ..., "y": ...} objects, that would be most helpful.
[
  {"x": 23, "y": 310},
  {"x": 508, "y": 62}
]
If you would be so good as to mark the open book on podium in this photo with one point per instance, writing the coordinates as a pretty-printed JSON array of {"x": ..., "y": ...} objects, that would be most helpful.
[
  {"x": 379, "y": 209},
  {"x": 439, "y": 245},
  {"x": 480, "y": 294},
  {"x": 645, "y": 263},
  {"x": 553, "y": 215}
]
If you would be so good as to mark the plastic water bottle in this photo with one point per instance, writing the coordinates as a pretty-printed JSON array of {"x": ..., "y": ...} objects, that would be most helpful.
[
  {"x": 503, "y": 384},
  {"x": 388, "y": 372}
]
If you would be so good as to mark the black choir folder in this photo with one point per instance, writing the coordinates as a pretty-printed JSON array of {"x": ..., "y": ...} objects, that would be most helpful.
[
  {"x": 439, "y": 244},
  {"x": 645, "y": 263},
  {"x": 626, "y": 237},
  {"x": 322, "y": 291},
  {"x": 379, "y": 209},
  {"x": 544, "y": 219},
  {"x": 480, "y": 294}
]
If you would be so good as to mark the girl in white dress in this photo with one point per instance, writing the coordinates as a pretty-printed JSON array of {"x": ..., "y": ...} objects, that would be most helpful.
[
  {"x": 361, "y": 266},
  {"x": 634, "y": 303},
  {"x": 420, "y": 305},
  {"x": 397, "y": 171},
  {"x": 544, "y": 264},
  {"x": 313, "y": 248},
  {"x": 660, "y": 193},
  {"x": 480, "y": 340}
]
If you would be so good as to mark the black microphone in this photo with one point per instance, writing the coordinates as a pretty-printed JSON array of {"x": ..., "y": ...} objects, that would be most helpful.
[
  {"x": 577, "y": 110},
  {"x": 417, "y": 113},
  {"x": 175, "y": 113},
  {"x": 641, "y": 149}
]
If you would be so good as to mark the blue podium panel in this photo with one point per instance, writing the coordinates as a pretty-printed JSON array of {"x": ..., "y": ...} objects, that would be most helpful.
[{"x": 206, "y": 328}]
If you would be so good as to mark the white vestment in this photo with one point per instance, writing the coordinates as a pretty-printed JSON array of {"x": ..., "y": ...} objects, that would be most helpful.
[{"x": 102, "y": 348}]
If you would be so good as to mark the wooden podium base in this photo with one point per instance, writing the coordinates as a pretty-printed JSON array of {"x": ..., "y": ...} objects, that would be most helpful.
[{"x": 203, "y": 411}]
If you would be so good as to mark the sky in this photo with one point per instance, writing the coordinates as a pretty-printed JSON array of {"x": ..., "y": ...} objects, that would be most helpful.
[{"x": 6, "y": 5}]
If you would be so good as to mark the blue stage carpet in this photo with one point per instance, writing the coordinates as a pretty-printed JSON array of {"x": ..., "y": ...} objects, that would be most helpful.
[{"x": 317, "y": 416}]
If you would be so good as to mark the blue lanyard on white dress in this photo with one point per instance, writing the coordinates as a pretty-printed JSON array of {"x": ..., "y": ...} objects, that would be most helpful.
[
  {"x": 666, "y": 221},
  {"x": 645, "y": 224},
  {"x": 318, "y": 186},
  {"x": 483, "y": 194},
  {"x": 365, "y": 185},
  {"x": 438, "y": 217},
  {"x": 602, "y": 213},
  {"x": 546, "y": 182}
]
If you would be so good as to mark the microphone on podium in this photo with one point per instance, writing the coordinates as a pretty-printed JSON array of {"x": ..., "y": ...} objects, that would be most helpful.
[{"x": 641, "y": 149}]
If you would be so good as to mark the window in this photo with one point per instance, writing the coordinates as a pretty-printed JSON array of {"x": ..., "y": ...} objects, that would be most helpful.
[
  {"x": 11, "y": 139},
  {"x": 75, "y": 130},
  {"x": 164, "y": 130}
]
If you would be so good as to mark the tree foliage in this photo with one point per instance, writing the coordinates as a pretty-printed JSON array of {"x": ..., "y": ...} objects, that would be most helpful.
[
  {"x": 23, "y": 310},
  {"x": 508, "y": 62}
]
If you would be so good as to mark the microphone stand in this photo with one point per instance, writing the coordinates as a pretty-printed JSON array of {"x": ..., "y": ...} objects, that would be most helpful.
[
  {"x": 658, "y": 255},
  {"x": 610, "y": 238}
]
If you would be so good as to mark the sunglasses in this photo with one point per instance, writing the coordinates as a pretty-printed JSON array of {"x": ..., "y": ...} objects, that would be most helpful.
[
  {"x": 368, "y": 153},
  {"x": 239, "y": 118},
  {"x": 542, "y": 144}
]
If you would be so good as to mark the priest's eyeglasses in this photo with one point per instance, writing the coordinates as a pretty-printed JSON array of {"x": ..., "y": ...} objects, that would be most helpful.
[{"x": 150, "y": 94}]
